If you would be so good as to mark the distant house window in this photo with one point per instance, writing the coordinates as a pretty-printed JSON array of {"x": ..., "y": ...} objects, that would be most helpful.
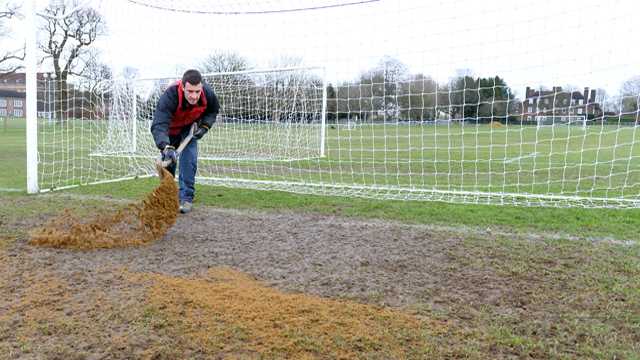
[
  {"x": 546, "y": 101},
  {"x": 566, "y": 101},
  {"x": 580, "y": 110},
  {"x": 17, "y": 112},
  {"x": 3, "y": 112},
  {"x": 3, "y": 103},
  {"x": 17, "y": 103},
  {"x": 530, "y": 109}
]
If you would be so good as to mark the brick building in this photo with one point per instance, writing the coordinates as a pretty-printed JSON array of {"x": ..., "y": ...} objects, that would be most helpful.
[
  {"x": 13, "y": 94},
  {"x": 12, "y": 103},
  {"x": 558, "y": 102}
]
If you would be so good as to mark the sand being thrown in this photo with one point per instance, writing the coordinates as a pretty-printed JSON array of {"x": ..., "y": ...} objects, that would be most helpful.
[{"x": 135, "y": 224}]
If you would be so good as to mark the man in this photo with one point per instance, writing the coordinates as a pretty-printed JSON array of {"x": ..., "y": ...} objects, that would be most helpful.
[{"x": 187, "y": 101}]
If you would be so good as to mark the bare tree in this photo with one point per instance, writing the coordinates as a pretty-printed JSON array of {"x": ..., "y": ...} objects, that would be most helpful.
[
  {"x": 224, "y": 61},
  {"x": 95, "y": 72},
  {"x": 227, "y": 61},
  {"x": 68, "y": 41},
  {"x": 417, "y": 98},
  {"x": 381, "y": 84},
  {"x": 607, "y": 102},
  {"x": 8, "y": 58},
  {"x": 286, "y": 91},
  {"x": 630, "y": 94}
]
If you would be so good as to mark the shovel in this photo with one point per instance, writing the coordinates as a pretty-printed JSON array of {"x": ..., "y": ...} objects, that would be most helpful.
[{"x": 163, "y": 164}]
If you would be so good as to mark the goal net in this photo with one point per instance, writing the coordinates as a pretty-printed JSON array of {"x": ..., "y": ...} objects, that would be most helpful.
[
  {"x": 561, "y": 120},
  {"x": 271, "y": 114},
  {"x": 360, "y": 99}
]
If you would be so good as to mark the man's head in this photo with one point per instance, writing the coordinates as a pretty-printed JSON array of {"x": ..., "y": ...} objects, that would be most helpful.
[{"x": 192, "y": 83}]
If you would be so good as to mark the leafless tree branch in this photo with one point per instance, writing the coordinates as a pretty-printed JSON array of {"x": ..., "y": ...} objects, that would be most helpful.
[{"x": 10, "y": 61}]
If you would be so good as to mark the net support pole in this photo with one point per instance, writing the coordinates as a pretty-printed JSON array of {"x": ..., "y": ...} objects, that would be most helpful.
[
  {"x": 323, "y": 123},
  {"x": 31, "y": 97},
  {"x": 134, "y": 117}
]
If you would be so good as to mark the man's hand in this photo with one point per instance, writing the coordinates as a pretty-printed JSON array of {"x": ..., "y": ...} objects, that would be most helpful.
[
  {"x": 169, "y": 153},
  {"x": 200, "y": 131}
]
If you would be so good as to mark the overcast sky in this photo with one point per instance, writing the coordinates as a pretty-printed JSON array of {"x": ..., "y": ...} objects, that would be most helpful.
[{"x": 546, "y": 42}]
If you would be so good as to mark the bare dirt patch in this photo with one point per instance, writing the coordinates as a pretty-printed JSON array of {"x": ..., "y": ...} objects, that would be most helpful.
[
  {"x": 299, "y": 259},
  {"x": 490, "y": 298}
]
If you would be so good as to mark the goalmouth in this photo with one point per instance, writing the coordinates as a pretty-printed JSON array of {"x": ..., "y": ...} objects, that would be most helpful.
[{"x": 265, "y": 115}]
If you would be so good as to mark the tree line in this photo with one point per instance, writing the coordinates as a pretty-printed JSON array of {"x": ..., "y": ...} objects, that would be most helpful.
[{"x": 389, "y": 90}]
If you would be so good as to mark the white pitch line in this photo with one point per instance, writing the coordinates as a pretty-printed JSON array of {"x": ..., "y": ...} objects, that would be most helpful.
[
  {"x": 2, "y": 189},
  {"x": 522, "y": 157}
]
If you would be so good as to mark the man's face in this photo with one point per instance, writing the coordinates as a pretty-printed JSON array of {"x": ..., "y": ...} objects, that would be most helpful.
[{"x": 192, "y": 92}]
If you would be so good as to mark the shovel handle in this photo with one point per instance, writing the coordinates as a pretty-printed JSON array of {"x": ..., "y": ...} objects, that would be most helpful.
[{"x": 180, "y": 148}]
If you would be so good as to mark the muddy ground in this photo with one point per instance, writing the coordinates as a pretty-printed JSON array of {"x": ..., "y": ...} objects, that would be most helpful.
[
  {"x": 390, "y": 263},
  {"x": 65, "y": 304}
]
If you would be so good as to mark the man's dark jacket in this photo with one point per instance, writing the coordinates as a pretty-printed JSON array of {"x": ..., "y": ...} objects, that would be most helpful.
[{"x": 168, "y": 106}]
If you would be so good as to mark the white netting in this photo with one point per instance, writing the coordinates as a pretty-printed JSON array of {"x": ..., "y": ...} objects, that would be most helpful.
[
  {"x": 561, "y": 120},
  {"x": 274, "y": 114},
  {"x": 420, "y": 100}
]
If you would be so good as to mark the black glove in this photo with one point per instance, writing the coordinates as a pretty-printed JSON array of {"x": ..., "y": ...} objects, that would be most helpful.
[
  {"x": 200, "y": 131},
  {"x": 169, "y": 153}
]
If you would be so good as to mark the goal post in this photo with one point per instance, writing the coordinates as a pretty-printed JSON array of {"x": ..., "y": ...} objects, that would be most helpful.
[
  {"x": 31, "y": 97},
  {"x": 265, "y": 114},
  {"x": 561, "y": 120}
]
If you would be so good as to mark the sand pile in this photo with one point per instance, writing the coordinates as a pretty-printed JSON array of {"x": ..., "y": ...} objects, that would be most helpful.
[{"x": 228, "y": 312}]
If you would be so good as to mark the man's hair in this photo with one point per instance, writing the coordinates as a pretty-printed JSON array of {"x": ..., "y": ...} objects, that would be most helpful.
[{"x": 192, "y": 77}]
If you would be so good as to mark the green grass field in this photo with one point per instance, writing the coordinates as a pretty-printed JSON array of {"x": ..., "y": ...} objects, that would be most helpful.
[
  {"x": 463, "y": 163},
  {"x": 581, "y": 222},
  {"x": 13, "y": 155},
  {"x": 601, "y": 161}
]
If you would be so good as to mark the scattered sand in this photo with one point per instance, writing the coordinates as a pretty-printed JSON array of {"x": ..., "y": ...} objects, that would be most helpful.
[{"x": 133, "y": 225}]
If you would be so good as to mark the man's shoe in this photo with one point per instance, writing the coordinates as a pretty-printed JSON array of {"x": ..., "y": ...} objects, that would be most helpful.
[{"x": 185, "y": 207}]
